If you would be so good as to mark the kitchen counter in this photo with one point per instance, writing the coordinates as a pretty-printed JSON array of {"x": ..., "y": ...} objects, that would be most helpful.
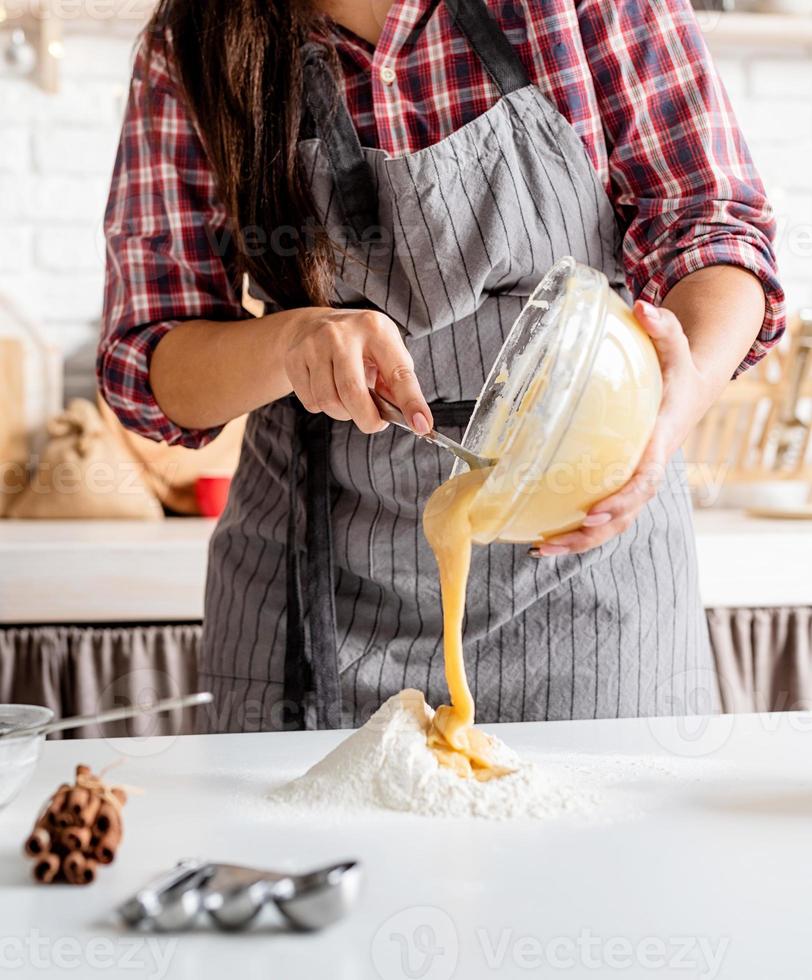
[
  {"x": 96, "y": 572},
  {"x": 753, "y": 562},
  {"x": 708, "y": 880},
  {"x": 103, "y": 571}
]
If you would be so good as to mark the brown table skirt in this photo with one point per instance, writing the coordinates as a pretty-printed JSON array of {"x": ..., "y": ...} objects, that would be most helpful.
[
  {"x": 77, "y": 670},
  {"x": 763, "y": 657}
]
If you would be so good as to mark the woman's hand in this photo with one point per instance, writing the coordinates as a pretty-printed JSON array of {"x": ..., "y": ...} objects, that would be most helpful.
[
  {"x": 334, "y": 357},
  {"x": 687, "y": 395}
]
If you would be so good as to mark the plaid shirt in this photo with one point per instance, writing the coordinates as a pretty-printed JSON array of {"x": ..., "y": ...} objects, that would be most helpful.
[{"x": 633, "y": 77}]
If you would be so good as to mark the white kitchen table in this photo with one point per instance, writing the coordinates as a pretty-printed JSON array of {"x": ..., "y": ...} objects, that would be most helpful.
[{"x": 709, "y": 880}]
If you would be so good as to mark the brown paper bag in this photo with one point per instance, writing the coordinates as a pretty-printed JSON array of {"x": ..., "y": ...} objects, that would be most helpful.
[
  {"x": 84, "y": 473},
  {"x": 172, "y": 471}
]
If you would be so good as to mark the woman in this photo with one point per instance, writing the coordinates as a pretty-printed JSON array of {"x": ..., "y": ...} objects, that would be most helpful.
[{"x": 394, "y": 179}]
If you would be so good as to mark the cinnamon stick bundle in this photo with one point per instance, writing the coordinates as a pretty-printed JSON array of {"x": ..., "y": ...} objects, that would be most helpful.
[{"x": 79, "y": 828}]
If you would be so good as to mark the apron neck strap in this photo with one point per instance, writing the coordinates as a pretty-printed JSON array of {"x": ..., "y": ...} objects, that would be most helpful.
[
  {"x": 332, "y": 123},
  {"x": 330, "y": 120},
  {"x": 489, "y": 43}
]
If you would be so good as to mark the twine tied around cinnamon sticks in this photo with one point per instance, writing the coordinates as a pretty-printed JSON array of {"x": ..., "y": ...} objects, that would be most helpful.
[{"x": 79, "y": 828}]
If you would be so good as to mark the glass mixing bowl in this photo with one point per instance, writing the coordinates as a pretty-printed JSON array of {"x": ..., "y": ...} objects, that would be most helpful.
[
  {"x": 18, "y": 756},
  {"x": 567, "y": 409}
]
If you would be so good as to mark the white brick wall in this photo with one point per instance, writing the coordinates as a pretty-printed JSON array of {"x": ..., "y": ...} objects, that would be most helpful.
[
  {"x": 71, "y": 149},
  {"x": 771, "y": 91},
  {"x": 15, "y": 150},
  {"x": 56, "y": 157},
  {"x": 56, "y": 153},
  {"x": 16, "y": 253},
  {"x": 69, "y": 248}
]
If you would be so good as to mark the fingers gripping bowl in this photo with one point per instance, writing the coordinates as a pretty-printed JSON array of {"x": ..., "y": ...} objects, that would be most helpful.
[{"x": 567, "y": 410}]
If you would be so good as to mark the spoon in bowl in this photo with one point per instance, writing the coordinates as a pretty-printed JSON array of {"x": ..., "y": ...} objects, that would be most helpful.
[
  {"x": 115, "y": 714},
  {"x": 391, "y": 413}
]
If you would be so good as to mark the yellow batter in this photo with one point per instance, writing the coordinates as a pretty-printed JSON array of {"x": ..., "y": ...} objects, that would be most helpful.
[
  {"x": 597, "y": 454},
  {"x": 447, "y": 523}
]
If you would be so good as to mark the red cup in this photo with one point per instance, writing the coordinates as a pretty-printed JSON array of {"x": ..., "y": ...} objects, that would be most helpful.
[{"x": 211, "y": 493}]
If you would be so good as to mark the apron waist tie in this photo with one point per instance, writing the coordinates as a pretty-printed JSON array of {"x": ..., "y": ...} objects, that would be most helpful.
[
  {"x": 311, "y": 649},
  {"x": 452, "y": 413}
]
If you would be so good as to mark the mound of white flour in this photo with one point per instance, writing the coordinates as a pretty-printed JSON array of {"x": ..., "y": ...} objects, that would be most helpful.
[{"x": 388, "y": 765}]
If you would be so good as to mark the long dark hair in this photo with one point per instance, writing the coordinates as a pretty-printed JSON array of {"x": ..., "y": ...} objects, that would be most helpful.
[{"x": 239, "y": 64}]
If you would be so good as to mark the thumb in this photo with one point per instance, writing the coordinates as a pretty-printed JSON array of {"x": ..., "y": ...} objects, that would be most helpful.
[{"x": 665, "y": 331}]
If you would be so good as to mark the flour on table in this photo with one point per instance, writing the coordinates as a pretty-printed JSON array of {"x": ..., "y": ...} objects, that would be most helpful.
[{"x": 387, "y": 765}]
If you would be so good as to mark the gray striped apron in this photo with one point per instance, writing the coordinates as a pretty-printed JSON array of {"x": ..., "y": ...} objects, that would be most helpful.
[{"x": 323, "y": 597}]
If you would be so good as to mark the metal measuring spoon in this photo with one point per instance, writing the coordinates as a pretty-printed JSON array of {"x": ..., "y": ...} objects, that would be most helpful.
[
  {"x": 172, "y": 901},
  {"x": 391, "y": 413},
  {"x": 235, "y": 896},
  {"x": 318, "y": 899}
]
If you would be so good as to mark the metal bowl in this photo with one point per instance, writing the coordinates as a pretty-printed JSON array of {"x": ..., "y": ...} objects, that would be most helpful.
[{"x": 18, "y": 756}]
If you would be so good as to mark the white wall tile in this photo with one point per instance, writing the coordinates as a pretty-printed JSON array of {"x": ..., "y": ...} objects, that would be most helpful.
[
  {"x": 96, "y": 102},
  {"x": 88, "y": 56},
  {"x": 60, "y": 149},
  {"x": 91, "y": 102},
  {"x": 71, "y": 297},
  {"x": 19, "y": 97},
  {"x": 799, "y": 292},
  {"x": 787, "y": 78},
  {"x": 775, "y": 120},
  {"x": 69, "y": 248},
  {"x": 787, "y": 168},
  {"x": 734, "y": 74},
  {"x": 15, "y": 150},
  {"x": 22, "y": 288},
  {"x": 15, "y": 249},
  {"x": 50, "y": 199},
  {"x": 71, "y": 337}
]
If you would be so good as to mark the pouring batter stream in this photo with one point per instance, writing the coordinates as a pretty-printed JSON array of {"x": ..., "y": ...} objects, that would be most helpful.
[{"x": 448, "y": 524}]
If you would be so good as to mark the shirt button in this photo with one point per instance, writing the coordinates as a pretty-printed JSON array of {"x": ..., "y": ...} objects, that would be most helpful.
[{"x": 388, "y": 76}]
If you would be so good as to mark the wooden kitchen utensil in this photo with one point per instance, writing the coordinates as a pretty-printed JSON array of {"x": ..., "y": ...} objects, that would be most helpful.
[
  {"x": 42, "y": 370},
  {"x": 757, "y": 432},
  {"x": 13, "y": 437}
]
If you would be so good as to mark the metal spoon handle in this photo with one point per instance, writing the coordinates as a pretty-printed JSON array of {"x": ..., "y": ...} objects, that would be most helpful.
[
  {"x": 391, "y": 413},
  {"x": 115, "y": 714},
  {"x": 147, "y": 903}
]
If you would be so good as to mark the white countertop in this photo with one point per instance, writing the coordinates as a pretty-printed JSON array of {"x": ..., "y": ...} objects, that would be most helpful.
[
  {"x": 751, "y": 561},
  {"x": 716, "y": 855},
  {"x": 103, "y": 571},
  {"x": 76, "y": 572}
]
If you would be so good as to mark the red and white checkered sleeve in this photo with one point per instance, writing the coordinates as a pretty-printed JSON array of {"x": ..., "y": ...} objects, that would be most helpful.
[
  {"x": 682, "y": 178},
  {"x": 168, "y": 250}
]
